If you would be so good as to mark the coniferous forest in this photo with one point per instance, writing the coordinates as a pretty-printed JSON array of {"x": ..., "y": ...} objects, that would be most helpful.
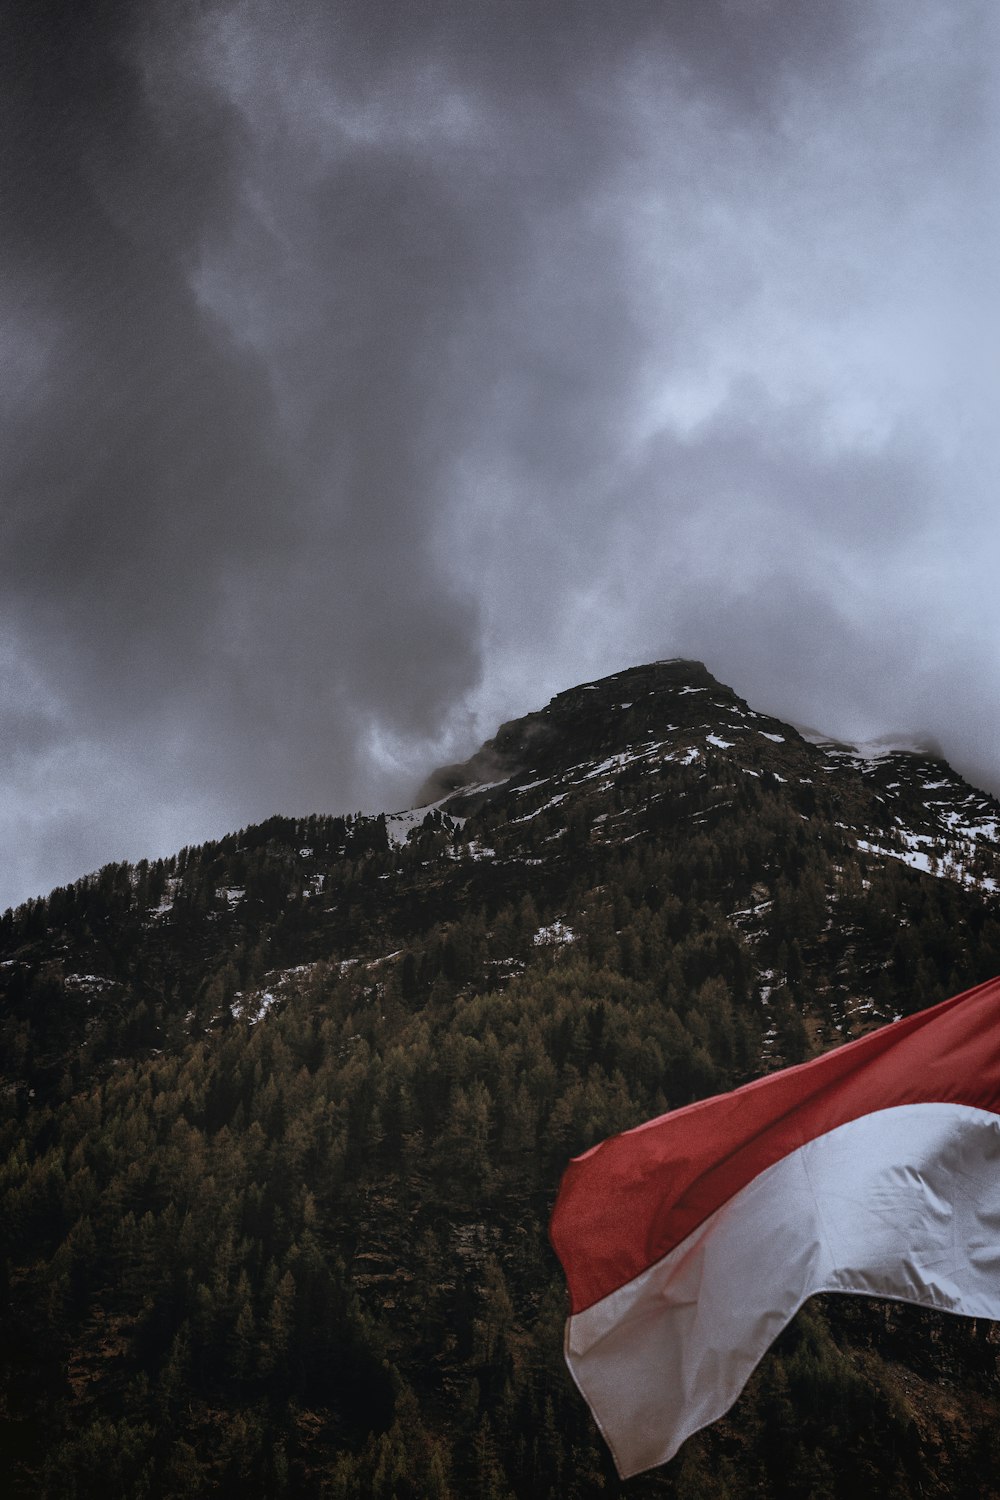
[{"x": 284, "y": 1116}]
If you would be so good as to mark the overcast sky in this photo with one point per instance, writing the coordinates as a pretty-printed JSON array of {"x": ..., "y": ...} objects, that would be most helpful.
[{"x": 372, "y": 371}]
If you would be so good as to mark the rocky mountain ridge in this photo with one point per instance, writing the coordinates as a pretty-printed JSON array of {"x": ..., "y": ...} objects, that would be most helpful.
[{"x": 904, "y": 803}]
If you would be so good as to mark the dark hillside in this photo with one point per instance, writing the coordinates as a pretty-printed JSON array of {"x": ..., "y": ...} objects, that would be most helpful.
[{"x": 284, "y": 1116}]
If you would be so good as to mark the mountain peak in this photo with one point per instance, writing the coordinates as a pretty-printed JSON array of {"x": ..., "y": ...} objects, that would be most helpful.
[
  {"x": 900, "y": 800},
  {"x": 590, "y": 719}
]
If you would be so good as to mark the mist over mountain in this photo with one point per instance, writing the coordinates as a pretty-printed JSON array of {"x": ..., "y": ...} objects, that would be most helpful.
[
  {"x": 373, "y": 371},
  {"x": 282, "y": 1116}
]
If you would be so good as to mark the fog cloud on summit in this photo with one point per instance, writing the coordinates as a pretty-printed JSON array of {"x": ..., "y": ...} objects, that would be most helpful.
[{"x": 372, "y": 372}]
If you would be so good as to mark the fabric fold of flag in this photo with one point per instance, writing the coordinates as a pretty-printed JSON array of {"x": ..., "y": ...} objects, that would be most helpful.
[{"x": 690, "y": 1242}]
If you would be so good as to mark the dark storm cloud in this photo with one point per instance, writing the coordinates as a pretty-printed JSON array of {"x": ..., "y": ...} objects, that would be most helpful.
[{"x": 372, "y": 371}]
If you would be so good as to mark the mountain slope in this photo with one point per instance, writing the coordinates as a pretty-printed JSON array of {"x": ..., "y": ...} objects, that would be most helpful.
[{"x": 283, "y": 1116}]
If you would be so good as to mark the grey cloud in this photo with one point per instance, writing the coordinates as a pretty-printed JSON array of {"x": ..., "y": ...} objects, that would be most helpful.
[{"x": 372, "y": 371}]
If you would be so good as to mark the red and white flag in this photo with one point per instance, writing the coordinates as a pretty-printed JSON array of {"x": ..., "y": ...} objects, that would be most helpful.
[{"x": 690, "y": 1242}]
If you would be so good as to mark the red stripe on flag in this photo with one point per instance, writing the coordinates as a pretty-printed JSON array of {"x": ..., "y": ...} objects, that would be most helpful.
[{"x": 626, "y": 1203}]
